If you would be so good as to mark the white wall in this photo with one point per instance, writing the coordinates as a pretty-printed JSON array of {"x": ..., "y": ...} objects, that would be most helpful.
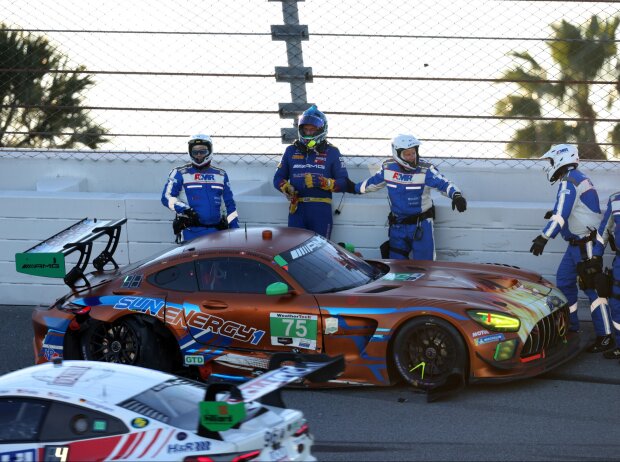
[{"x": 41, "y": 196}]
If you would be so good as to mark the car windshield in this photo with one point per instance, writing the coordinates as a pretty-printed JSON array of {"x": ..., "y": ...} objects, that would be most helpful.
[
  {"x": 174, "y": 402},
  {"x": 321, "y": 266}
]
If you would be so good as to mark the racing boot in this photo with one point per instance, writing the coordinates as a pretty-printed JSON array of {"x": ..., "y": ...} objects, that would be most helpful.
[
  {"x": 612, "y": 354},
  {"x": 602, "y": 343}
]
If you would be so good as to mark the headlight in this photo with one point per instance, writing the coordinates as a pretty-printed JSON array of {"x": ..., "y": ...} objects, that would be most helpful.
[{"x": 497, "y": 322}]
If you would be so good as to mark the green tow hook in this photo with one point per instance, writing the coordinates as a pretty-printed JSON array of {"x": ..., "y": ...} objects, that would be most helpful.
[{"x": 422, "y": 365}]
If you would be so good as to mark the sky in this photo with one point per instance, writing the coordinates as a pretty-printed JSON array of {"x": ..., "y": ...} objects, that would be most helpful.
[{"x": 423, "y": 38}]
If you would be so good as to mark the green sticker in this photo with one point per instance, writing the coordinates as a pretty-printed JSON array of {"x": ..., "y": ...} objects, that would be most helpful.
[
  {"x": 280, "y": 261},
  {"x": 218, "y": 416},
  {"x": 294, "y": 330},
  {"x": 49, "y": 265}
]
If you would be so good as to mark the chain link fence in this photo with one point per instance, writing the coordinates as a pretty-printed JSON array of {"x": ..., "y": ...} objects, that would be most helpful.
[{"x": 477, "y": 79}]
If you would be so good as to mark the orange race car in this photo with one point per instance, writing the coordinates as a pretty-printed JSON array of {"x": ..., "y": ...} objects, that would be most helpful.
[{"x": 221, "y": 305}]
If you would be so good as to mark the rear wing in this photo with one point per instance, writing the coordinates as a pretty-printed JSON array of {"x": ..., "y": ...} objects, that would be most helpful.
[
  {"x": 47, "y": 259},
  {"x": 229, "y": 410}
]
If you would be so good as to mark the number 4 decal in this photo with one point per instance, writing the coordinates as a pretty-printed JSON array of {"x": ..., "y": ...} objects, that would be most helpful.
[{"x": 294, "y": 330}]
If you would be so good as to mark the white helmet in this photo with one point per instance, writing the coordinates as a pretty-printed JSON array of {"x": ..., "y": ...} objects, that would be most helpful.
[
  {"x": 402, "y": 142},
  {"x": 559, "y": 156},
  {"x": 201, "y": 158}
]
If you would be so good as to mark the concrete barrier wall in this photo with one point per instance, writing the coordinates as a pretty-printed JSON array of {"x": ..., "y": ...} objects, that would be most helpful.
[{"x": 40, "y": 197}]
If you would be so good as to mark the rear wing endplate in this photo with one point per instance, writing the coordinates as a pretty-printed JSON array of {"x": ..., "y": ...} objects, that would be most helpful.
[{"x": 47, "y": 259}]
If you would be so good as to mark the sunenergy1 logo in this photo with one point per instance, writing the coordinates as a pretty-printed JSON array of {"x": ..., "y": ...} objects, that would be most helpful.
[{"x": 175, "y": 315}]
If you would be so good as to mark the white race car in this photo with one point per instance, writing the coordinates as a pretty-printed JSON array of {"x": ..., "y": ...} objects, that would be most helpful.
[{"x": 87, "y": 410}]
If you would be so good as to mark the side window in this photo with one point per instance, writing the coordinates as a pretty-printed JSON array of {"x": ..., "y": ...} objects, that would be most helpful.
[
  {"x": 69, "y": 422},
  {"x": 235, "y": 275},
  {"x": 181, "y": 278},
  {"x": 21, "y": 418}
]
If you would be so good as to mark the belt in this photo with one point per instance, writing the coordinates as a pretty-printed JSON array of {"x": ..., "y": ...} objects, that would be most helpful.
[
  {"x": 579, "y": 242},
  {"x": 326, "y": 200},
  {"x": 411, "y": 219}
]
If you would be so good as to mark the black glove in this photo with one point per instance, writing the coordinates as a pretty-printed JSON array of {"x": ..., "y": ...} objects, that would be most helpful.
[
  {"x": 594, "y": 265},
  {"x": 548, "y": 214},
  {"x": 459, "y": 202},
  {"x": 192, "y": 217},
  {"x": 350, "y": 187},
  {"x": 538, "y": 245},
  {"x": 603, "y": 283}
]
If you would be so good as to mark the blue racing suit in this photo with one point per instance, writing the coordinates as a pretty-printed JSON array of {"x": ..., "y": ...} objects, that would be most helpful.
[
  {"x": 609, "y": 230},
  {"x": 201, "y": 189},
  {"x": 411, "y": 207},
  {"x": 576, "y": 214},
  {"x": 311, "y": 204}
]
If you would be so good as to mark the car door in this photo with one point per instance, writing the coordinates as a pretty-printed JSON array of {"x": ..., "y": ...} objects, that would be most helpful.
[{"x": 234, "y": 312}]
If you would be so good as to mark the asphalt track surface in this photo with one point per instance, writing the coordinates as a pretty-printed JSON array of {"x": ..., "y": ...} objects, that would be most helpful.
[{"x": 571, "y": 413}]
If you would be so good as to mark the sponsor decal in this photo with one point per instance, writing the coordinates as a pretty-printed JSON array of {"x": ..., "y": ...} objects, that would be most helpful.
[
  {"x": 404, "y": 177},
  {"x": 19, "y": 456},
  {"x": 275, "y": 379},
  {"x": 295, "y": 156},
  {"x": 139, "y": 422},
  {"x": 309, "y": 166},
  {"x": 489, "y": 339},
  {"x": 50, "y": 265},
  {"x": 331, "y": 325},
  {"x": 189, "y": 447},
  {"x": 402, "y": 276},
  {"x": 479, "y": 333},
  {"x": 70, "y": 376},
  {"x": 194, "y": 318},
  {"x": 194, "y": 360},
  {"x": 306, "y": 248},
  {"x": 220, "y": 416},
  {"x": 293, "y": 329},
  {"x": 204, "y": 177}
]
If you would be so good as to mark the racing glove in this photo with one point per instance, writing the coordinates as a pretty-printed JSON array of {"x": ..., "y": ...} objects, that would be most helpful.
[
  {"x": 538, "y": 245},
  {"x": 316, "y": 181},
  {"x": 288, "y": 189},
  {"x": 192, "y": 217},
  {"x": 459, "y": 202},
  {"x": 548, "y": 214},
  {"x": 594, "y": 265},
  {"x": 351, "y": 187}
]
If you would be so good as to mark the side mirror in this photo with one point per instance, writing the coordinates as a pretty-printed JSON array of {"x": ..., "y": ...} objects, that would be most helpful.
[{"x": 277, "y": 288}]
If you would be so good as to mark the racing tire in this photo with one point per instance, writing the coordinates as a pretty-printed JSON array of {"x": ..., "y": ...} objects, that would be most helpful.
[
  {"x": 129, "y": 340},
  {"x": 427, "y": 352}
]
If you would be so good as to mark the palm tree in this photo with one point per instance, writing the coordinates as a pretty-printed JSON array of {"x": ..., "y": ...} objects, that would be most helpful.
[
  {"x": 580, "y": 55},
  {"x": 40, "y": 96}
]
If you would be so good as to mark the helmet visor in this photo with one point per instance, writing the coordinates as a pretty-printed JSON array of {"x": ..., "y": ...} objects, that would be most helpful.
[
  {"x": 199, "y": 153},
  {"x": 311, "y": 120}
]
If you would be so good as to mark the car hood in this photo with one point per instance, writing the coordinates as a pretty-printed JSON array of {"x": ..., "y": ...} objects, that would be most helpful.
[{"x": 455, "y": 287}]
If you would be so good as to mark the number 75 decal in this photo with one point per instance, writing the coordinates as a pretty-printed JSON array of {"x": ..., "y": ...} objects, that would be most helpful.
[{"x": 294, "y": 330}]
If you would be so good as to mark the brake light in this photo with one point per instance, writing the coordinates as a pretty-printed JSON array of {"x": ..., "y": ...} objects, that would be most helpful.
[
  {"x": 303, "y": 430},
  {"x": 239, "y": 458},
  {"x": 198, "y": 459},
  {"x": 76, "y": 309},
  {"x": 247, "y": 456}
]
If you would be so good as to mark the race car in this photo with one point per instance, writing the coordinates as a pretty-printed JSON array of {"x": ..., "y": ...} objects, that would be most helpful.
[
  {"x": 220, "y": 306},
  {"x": 90, "y": 410}
]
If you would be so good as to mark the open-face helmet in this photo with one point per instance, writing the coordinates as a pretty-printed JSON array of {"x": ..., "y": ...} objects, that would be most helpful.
[
  {"x": 401, "y": 143},
  {"x": 560, "y": 155},
  {"x": 312, "y": 116},
  {"x": 200, "y": 149}
]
